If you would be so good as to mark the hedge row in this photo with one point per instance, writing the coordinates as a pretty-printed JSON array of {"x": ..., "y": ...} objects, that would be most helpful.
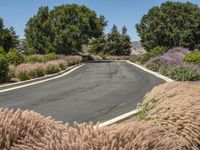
[
  {"x": 33, "y": 70},
  {"x": 16, "y": 65},
  {"x": 30, "y": 71}
]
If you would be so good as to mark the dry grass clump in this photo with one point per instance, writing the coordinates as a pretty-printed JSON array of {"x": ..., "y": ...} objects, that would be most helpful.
[
  {"x": 55, "y": 66},
  {"x": 171, "y": 121},
  {"x": 117, "y": 57},
  {"x": 34, "y": 70},
  {"x": 11, "y": 71},
  {"x": 24, "y": 130},
  {"x": 176, "y": 107},
  {"x": 72, "y": 60},
  {"x": 29, "y": 71}
]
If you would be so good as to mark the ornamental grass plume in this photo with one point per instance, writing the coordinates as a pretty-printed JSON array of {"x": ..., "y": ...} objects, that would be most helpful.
[
  {"x": 55, "y": 66},
  {"x": 176, "y": 107},
  {"x": 117, "y": 57},
  {"x": 172, "y": 121},
  {"x": 72, "y": 60},
  {"x": 29, "y": 71},
  {"x": 11, "y": 71},
  {"x": 22, "y": 130}
]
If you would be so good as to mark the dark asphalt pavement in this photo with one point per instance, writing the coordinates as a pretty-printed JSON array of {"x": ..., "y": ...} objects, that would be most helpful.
[{"x": 97, "y": 91}]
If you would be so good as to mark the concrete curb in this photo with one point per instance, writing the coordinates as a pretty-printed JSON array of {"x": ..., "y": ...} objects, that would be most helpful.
[
  {"x": 151, "y": 72},
  {"x": 27, "y": 83},
  {"x": 118, "y": 119},
  {"x": 134, "y": 112}
]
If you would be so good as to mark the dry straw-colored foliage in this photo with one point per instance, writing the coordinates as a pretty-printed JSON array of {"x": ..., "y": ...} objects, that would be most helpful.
[{"x": 172, "y": 121}]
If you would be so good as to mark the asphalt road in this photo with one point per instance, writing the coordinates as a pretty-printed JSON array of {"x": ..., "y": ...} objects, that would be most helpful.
[{"x": 97, "y": 91}]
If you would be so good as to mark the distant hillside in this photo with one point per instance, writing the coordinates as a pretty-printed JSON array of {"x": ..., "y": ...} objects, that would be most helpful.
[
  {"x": 137, "y": 48},
  {"x": 137, "y": 45}
]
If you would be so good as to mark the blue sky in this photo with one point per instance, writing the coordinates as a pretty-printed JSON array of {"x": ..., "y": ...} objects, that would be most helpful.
[{"x": 120, "y": 12}]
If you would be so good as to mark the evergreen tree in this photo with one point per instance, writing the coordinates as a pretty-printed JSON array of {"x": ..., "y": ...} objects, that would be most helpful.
[
  {"x": 124, "y": 30},
  {"x": 115, "y": 43},
  {"x": 63, "y": 29},
  {"x": 170, "y": 25},
  {"x": 126, "y": 42},
  {"x": 38, "y": 32},
  {"x": 8, "y": 37}
]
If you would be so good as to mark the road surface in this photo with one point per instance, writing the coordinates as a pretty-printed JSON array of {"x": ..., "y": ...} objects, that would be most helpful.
[{"x": 97, "y": 91}]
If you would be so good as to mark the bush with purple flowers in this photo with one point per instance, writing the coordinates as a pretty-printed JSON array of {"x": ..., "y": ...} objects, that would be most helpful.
[{"x": 172, "y": 64}]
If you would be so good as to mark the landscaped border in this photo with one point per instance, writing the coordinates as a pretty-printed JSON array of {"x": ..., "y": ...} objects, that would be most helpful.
[
  {"x": 167, "y": 79},
  {"x": 21, "y": 84}
]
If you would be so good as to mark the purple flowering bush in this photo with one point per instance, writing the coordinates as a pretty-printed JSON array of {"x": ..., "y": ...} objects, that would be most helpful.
[{"x": 172, "y": 64}]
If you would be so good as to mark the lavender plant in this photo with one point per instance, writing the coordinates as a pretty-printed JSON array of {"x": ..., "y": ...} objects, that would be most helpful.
[{"x": 172, "y": 64}]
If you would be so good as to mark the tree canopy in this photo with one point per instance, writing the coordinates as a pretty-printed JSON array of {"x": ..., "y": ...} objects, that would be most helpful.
[
  {"x": 172, "y": 24},
  {"x": 63, "y": 29},
  {"x": 114, "y": 43},
  {"x": 8, "y": 37}
]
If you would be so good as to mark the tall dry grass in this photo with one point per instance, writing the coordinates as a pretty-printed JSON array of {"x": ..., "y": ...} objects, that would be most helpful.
[
  {"x": 176, "y": 107},
  {"x": 172, "y": 123},
  {"x": 72, "y": 60}
]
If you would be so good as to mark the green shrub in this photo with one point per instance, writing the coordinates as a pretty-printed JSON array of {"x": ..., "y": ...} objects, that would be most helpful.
[
  {"x": 181, "y": 73},
  {"x": 33, "y": 59},
  {"x": 50, "y": 56},
  {"x": 159, "y": 50},
  {"x": 15, "y": 57},
  {"x": 2, "y": 51},
  {"x": 103, "y": 55},
  {"x": 135, "y": 58},
  {"x": 3, "y": 69},
  {"x": 22, "y": 76},
  {"x": 192, "y": 57},
  {"x": 145, "y": 57}
]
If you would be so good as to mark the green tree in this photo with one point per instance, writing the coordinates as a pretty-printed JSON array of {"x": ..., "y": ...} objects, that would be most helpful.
[
  {"x": 125, "y": 42},
  {"x": 115, "y": 43},
  {"x": 124, "y": 30},
  {"x": 8, "y": 37},
  {"x": 97, "y": 45},
  {"x": 171, "y": 24},
  {"x": 38, "y": 32},
  {"x": 63, "y": 29}
]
